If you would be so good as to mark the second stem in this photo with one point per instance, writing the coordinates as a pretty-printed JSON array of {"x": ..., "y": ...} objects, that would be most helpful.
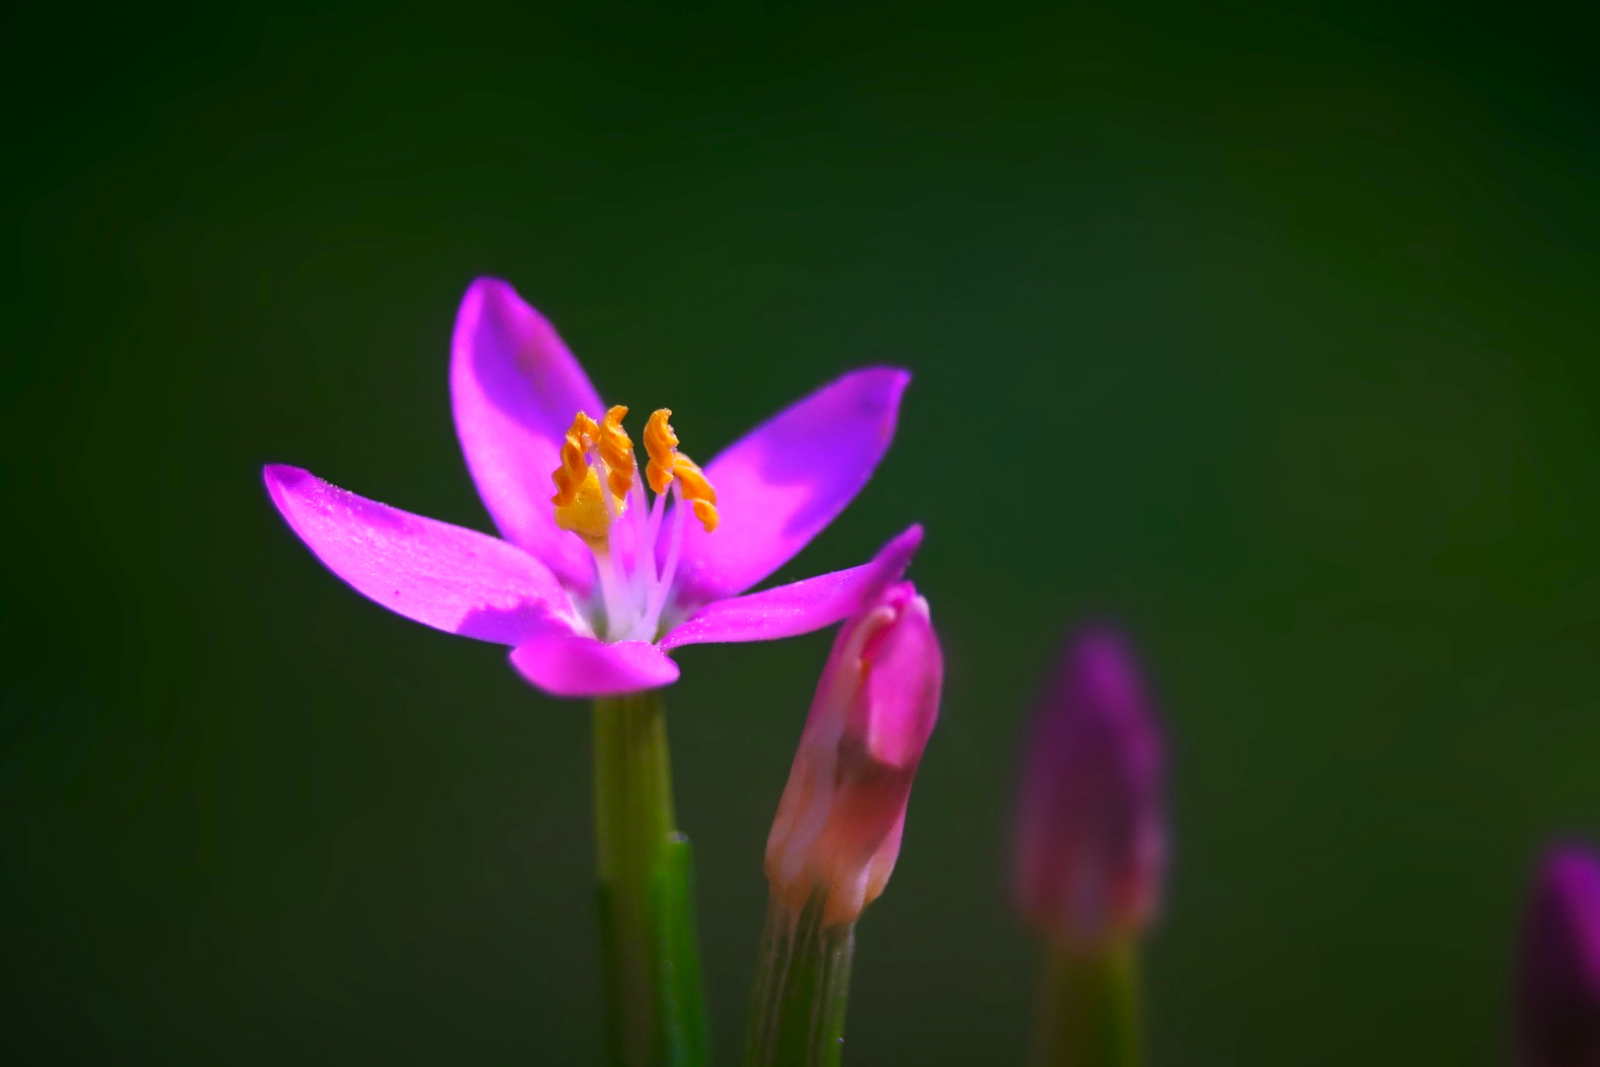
[
  {"x": 802, "y": 988},
  {"x": 1089, "y": 1007}
]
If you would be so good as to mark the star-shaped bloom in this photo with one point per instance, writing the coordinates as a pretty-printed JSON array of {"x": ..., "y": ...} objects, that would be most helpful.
[{"x": 592, "y": 585}]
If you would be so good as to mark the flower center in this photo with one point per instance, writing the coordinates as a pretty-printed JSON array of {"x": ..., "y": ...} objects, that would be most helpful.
[{"x": 601, "y": 498}]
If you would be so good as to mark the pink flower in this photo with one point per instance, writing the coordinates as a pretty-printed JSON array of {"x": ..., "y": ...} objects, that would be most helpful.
[
  {"x": 843, "y": 810},
  {"x": 593, "y": 585},
  {"x": 1091, "y": 826}
]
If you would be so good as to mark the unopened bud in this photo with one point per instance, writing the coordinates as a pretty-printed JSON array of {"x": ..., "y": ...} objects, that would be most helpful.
[
  {"x": 1091, "y": 824},
  {"x": 838, "y": 827},
  {"x": 1558, "y": 979}
]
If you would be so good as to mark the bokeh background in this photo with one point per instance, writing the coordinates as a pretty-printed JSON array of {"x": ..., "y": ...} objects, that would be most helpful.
[{"x": 1270, "y": 334}]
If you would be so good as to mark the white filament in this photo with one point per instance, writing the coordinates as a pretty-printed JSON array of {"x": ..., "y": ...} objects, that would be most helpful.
[{"x": 633, "y": 592}]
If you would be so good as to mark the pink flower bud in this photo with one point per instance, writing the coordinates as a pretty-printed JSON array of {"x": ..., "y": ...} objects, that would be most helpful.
[
  {"x": 1558, "y": 979},
  {"x": 839, "y": 822},
  {"x": 1091, "y": 826}
]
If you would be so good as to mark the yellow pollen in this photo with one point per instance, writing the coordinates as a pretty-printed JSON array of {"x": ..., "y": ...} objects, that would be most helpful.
[
  {"x": 578, "y": 504},
  {"x": 666, "y": 463},
  {"x": 616, "y": 448}
]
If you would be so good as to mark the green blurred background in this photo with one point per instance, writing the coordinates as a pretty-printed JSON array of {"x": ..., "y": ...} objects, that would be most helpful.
[{"x": 1270, "y": 334}]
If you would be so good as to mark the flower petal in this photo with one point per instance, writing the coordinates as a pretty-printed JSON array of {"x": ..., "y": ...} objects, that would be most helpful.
[
  {"x": 571, "y": 665},
  {"x": 443, "y": 576},
  {"x": 799, "y": 607},
  {"x": 514, "y": 388},
  {"x": 787, "y": 479}
]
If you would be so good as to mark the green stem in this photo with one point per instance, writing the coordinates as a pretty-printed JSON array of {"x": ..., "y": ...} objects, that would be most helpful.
[
  {"x": 802, "y": 988},
  {"x": 1089, "y": 1008},
  {"x": 655, "y": 1014}
]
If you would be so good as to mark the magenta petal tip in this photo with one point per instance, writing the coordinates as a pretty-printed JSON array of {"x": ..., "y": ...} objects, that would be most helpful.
[
  {"x": 514, "y": 388},
  {"x": 785, "y": 481},
  {"x": 567, "y": 664},
  {"x": 800, "y": 607},
  {"x": 453, "y": 579}
]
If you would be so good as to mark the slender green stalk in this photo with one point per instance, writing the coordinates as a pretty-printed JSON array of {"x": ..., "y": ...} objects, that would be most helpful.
[
  {"x": 1089, "y": 1008},
  {"x": 802, "y": 988},
  {"x": 655, "y": 1014}
]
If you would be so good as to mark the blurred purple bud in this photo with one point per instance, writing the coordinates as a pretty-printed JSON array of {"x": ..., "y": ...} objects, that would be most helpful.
[
  {"x": 1558, "y": 980},
  {"x": 1091, "y": 825}
]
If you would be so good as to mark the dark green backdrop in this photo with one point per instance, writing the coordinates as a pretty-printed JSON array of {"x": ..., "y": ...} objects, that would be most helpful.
[{"x": 1271, "y": 335}]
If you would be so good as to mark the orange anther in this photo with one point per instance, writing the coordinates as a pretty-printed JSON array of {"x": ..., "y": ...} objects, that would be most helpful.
[
  {"x": 698, "y": 491},
  {"x": 661, "y": 444},
  {"x": 574, "y": 460},
  {"x": 616, "y": 449}
]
